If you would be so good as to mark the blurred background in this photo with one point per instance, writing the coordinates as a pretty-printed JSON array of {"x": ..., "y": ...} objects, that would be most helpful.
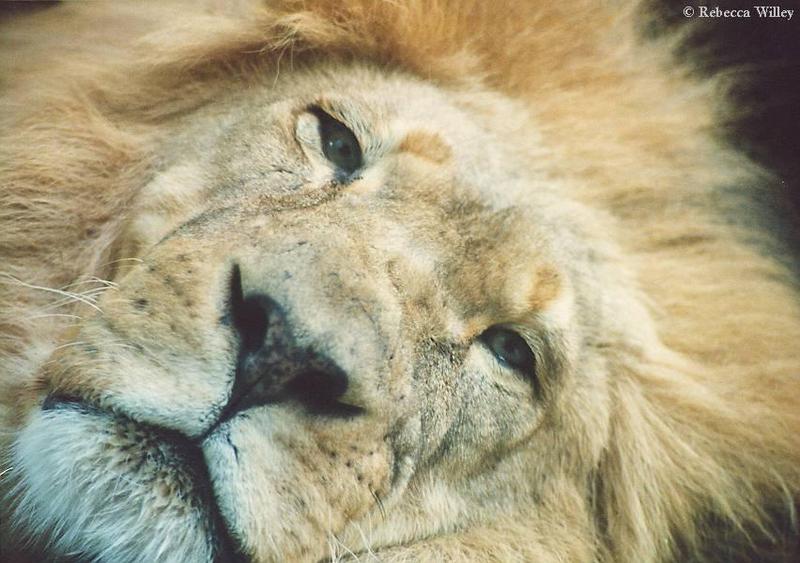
[{"x": 765, "y": 54}]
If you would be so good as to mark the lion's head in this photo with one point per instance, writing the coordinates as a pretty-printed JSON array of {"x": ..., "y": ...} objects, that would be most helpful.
[{"x": 330, "y": 289}]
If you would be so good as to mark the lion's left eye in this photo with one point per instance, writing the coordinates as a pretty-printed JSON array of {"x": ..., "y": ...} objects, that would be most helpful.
[
  {"x": 511, "y": 349},
  {"x": 339, "y": 144}
]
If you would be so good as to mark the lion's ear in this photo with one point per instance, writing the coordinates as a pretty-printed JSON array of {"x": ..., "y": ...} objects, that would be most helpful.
[{"x": 683, "y": 466}]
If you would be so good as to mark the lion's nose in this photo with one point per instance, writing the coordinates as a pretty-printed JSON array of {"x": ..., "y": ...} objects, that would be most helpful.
[{"x": 273, "y": 366}]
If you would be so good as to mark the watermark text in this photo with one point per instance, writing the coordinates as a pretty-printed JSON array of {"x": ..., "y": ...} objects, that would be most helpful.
[{"x": 775, "y": 12}]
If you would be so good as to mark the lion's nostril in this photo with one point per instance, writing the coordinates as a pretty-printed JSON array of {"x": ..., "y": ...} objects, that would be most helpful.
[
  {"x": 250, "y": 315},
  {"x": 317, "y": 386},
  {"x": 321, "y": 391},
  {"x": 273, "y": 365}
]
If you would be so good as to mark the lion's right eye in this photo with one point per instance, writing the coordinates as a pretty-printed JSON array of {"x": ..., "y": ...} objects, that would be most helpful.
[
  {"x": 339, "y": 144},
  {"x": 511, "y": 349}
]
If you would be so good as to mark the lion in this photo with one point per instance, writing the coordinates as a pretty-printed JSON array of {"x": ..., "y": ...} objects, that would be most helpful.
[{"x": 385, "y": 281}]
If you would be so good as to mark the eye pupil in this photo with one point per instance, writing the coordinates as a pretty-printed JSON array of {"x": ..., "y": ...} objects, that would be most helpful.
[{"x": 339, "y": 144}]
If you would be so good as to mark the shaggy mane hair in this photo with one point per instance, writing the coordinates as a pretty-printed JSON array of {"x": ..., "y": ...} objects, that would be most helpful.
[{"x": 704, "y": 456}]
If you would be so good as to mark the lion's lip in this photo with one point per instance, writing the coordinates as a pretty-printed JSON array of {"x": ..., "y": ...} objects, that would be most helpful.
[
  {"x": 190, "y": 457},
  {"x": 55, "y": 400}
]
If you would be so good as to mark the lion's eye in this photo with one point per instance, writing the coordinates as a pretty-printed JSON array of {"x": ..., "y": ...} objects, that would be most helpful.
[
  {"x": 339, "y": 144},
  {"x": 510, "y": 348}
]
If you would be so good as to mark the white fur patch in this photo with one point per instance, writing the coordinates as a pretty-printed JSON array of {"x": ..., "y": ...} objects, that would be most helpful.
[{"x": 72, "y": 489}]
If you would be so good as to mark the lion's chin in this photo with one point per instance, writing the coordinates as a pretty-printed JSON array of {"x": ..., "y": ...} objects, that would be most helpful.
[{"x": 104, "y": 487}]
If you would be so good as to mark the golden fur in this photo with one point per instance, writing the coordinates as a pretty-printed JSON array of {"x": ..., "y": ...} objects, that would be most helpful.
[{"x": 699, "y": 454}]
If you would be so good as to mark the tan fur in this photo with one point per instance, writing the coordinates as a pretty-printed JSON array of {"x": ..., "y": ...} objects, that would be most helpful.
[
  {"x": 549, "y": 170},
  {"x": 426, "y": 146}
]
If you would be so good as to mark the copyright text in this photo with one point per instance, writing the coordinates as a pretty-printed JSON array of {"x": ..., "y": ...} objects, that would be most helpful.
[{"x": 765, "y": 12}]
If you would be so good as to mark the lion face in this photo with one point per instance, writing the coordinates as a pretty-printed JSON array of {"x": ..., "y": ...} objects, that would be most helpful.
[{"x": 344, "y": 329}]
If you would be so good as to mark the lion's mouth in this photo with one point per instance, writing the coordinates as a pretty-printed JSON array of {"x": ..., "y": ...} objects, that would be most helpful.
[{"x": 173, "y": 453}]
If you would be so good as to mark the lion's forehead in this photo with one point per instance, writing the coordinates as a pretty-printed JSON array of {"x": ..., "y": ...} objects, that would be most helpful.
[{"x": 438, "y": 194}]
